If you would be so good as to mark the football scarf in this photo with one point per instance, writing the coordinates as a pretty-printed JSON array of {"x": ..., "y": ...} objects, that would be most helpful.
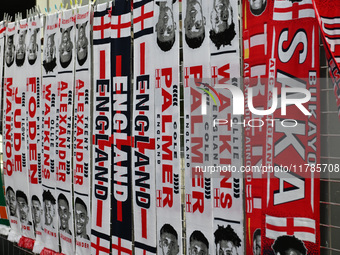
[
  {"x": 198, "y": 125},
  {"x": 34, "y": 127},
  {"x": 20, "y": 83},
  {"x": 2, "y": 56},
  {"x": 255, "y": 59},
  {"x": 4, "y": 223},
  {"x": 329, "y": 21},
  {"x": 143, "y": 130},
  {"x": 10, "y": 174},
  {"x": 82, "y": 132},
  {"x": 226, "y": 140},
  {"x": 121, "y": 217},
  {"x": 167, "y": 114},
  {"x": 101, "y": 148},
  {"x": 64, "y": 127},
  {"x": 295, "y": 135},
  {"x": 49, "y": 114}
]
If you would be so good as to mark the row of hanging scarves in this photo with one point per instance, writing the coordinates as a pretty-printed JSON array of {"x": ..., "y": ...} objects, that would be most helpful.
[
  {"x": 15, "y": 167},
  {"x": 282, "y": 207},
  {"x": 328, "y": 17},
  {"x": 38, "y": 170},
  {"x": 34, "y": 132},
  {"x": 251, "y": 16},
  {"x": 4, "y": 221},
  {"x": 213, "y": 201}
]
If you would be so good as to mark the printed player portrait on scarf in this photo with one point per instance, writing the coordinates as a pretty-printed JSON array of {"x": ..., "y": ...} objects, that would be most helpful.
[
  {"x": 222, "y": 25},
  {"x": 21, "y": 49},
  {"x": 166, "y": 25},
  {"x": 49, "y": 62},
  {"x": 65, "y": 48}
]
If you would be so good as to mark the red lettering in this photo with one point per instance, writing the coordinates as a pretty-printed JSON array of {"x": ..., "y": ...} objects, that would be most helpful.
[
  {"x": 225, "y": 145},
  {"x": 63, "y": 107},
  {"x": 18, "y": 163},
  {"x": 9, "y": 167},
  {"x": 226, "y": 200},
  {"x": 194, "y": 120},
  {"x": 32, "y": 150},
  {"x": 17, "y": 118},
  {"x": 166, "y": 119},
  {"x": 199, "y": 203},
  {"x": 32, "y": 107},
  {"x": 197, "y": 178},
  {"x": 33, "y": 174},
  {"x": 226, "y": 177},
  {"x": 17, "y": 99},
  {"x": 80, "y": 131},
  {"x": 63, "y": 86},
  {"x": 32, "y": 129},
  {"x": 78, "y": 179},
  {"x": 62, "y": 154},
  {"x": 167, "y": 174},
  {"x": 17, "y": 141},
  {"x": 196, "y": 98},
  {"x": 168, "y": 200},
  {"x": 222, "y": 72},
  {"x": 197, "y": 71},
  {"x": 32, "y": 81},
  {"x": 195, "y": 149},
  {"x": 167, "y": 153},
  {"x": 79, "y": 156},
  {"x": 167, "y": 73},
  {"x": 80, "y": 118},
  {"x": 80, "y": 107},
  {"x": 167, "y": 100}
]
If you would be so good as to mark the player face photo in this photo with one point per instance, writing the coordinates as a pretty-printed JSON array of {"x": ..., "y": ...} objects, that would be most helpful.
[
  {"x": 23, "y": 209},
  {"x": 21, "y": 49},
  {"x": 289, "y": 245},
  {"x": 166, "y": 26},
  {"x": 219, "y": 15},
  {"x": 257, "y": 245},
  {"x": 49, "y": 212},
  {"x": 225, "y": 247},
  {"x": 227, "y": 241},
  {"x": 49, "y": 54},
  {"x": 81, "y": 220},
  {"x": 169, "y": 244},
  {"x": 257, "y": 6},
  {"x": 65, "y": 48},
  {"x": 36, "y": 212},
  {"x": 64, "y": 214},
  {"x": 198, "y": 248},
  {"x": 194, "y": 20},
  {"x": 11, "y": 202},
  {"x": 82, "y": 44},
  {"x": 32, "y": 48},
  {"x": 9, "y": 52}
]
